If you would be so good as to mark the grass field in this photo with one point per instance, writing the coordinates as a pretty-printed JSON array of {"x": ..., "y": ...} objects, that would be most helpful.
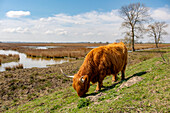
[{"x": 151, "y": 94}]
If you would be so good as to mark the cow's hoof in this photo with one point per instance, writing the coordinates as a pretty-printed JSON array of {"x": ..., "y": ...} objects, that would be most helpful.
[
  {"x": 113, "y": 82},
  {"x": 96, "y": 91}
]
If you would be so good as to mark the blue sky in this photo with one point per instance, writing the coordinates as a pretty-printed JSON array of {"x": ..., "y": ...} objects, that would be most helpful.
[
  {"x": 70, "y": 20},
  {"x": 45, "y": 8}
]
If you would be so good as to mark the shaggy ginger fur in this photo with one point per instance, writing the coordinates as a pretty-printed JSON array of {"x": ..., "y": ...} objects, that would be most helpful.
[{"x": 100, "y": 62}]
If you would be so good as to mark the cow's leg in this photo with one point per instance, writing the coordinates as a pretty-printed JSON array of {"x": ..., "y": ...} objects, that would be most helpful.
[
  {"x": 99, "y": 85},
  {"x": 123, "y": 75},
  {"x": 114, "y": 78},
  {"x": 102, "y": 84},
  {"x": 123, "y": 72}
]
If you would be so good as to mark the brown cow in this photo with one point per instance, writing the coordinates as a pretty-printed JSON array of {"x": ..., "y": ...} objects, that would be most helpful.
[{"x": 100, "y": 62}]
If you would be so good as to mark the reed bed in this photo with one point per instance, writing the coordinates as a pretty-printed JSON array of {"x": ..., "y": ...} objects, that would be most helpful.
[
  {"x": 10, "y": 55},
  {"x": 147, "y": 46},
  {"x": 9, "y": 58},
  {"x": 73, "y": 50},
  {"x": 19, "y": 66},
  {"x": 59, "y": 52},
  {"x": 16, "y": 45}
]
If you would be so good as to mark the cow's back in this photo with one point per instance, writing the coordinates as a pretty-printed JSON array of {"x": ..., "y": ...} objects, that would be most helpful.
[
  {"x": 103, "y": 61},
  {"x": 108, "y": 59}
]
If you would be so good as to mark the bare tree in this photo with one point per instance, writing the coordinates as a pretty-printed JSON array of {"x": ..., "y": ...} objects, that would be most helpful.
[
  {"x": 134, "y": 16},
  {"x": 127, "y": 40},
  {"x": 156, "y": 30}
]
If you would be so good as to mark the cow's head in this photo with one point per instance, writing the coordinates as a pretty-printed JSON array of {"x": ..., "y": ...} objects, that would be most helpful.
[{"x": 81, "y": 84}]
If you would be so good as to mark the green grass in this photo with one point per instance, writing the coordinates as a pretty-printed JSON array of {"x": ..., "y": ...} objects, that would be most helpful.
[{"x": 152, "y": 94}]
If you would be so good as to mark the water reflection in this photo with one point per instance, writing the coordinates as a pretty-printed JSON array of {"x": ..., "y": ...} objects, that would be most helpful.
[
  {"x": 48, "y": 47},
  {"x": 29, "y": 62},
  {"x": 42, "y": 47},
  {"x": 92, "y": 47},
  {"x": 48, "y": 59}
]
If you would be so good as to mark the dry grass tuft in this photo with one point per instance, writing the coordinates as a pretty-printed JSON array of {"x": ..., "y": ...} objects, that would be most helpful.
[
  {"x": 9, "y": 58},
  {"x": 19, "y": 66}
]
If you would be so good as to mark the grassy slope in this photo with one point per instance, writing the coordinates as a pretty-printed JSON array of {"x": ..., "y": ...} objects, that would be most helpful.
[{"x": 151, "y": 94}]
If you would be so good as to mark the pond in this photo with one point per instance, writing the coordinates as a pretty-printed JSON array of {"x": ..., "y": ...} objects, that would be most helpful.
[
  {"x": 29, "y": 62},
  {"x": 49, "y": 47}
]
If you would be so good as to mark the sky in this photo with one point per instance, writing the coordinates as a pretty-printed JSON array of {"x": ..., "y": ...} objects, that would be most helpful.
[{"x": 71, "y": 20}]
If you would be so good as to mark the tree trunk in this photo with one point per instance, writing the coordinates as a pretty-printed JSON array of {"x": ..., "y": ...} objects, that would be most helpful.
[
  {"x": 133, "y": 40},
  {"x": 156, "y": 45},
  {"x": 156, "y": 42}
]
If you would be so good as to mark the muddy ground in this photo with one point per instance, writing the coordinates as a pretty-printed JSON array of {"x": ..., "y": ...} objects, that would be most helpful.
[{"x": 22, "y": 85}]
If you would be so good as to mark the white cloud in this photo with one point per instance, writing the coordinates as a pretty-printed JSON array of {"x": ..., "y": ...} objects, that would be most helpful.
[
  {"x": 49, "y": 32},
  {"x": 85, "y": 18},
  {"x": 63, "y": 33},
  {"x": 99, "y": 34},
  {"x": 88, "y": 34},
  {"x": 57, "y": 31},
  {"x": 89, "y": 27},
  {"x": 17, "y": 14},
  {"x": 115, "y": 34},
  {"x": 16, "y": 30},
  {"x": 161, "y": 14}
]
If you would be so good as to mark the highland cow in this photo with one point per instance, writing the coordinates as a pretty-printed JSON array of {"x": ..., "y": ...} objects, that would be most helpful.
[{"x": 99, "y": 63}]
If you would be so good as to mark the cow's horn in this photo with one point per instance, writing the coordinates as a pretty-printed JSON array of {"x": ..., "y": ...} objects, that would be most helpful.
[
  {"x": 81, "y": 79},
  {"x": 65, "y": 74}
]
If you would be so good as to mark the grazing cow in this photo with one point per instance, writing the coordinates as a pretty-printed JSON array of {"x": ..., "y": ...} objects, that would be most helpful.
[{"x": 98, "y": 63}]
